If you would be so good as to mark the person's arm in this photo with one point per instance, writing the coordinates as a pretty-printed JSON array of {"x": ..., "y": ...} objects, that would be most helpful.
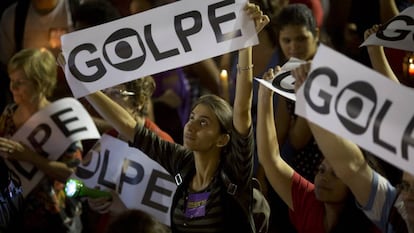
[
  {"x": 296, "y": 131},
  {"x": 345, "y": 157},
  {"x": 278, "y": 172},
  {"x": 243, "y": 98},
  {"x": 54, "y": 169},
  {"x": 347, "y": 160},
  {"x": 377, "y": 56},
  {"x": 242, "y": 118},
  {"x": 388, "y": 10},
  {"x": 116, "y": 115}
]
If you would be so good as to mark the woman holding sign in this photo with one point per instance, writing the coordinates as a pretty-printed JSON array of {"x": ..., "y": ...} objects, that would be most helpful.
[
  {"x": 215, "y": 139},
  {"x": 377, "y": 197},
  {"x": 327, "y": 204},
  {"x": 33, "y": 76}
]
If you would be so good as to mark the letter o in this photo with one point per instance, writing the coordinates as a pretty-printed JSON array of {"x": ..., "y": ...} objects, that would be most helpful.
[
  {"x": 120, "y": 41},
  {"x": 355, "y": 106}
]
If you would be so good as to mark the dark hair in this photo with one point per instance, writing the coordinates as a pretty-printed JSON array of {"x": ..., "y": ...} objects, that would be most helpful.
[
  {"x": 221, "y": 109},
  {"x": 295, "y": 14},
  {"x": 136, "y": 221}
]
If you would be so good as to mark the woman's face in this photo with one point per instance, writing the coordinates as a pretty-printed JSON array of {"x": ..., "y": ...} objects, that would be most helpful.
[
  {"x": 202, "y": 131},
  {"x": 297, "y": 41},
  {"x": 328, "y": 187},
  {"x": 22, "y": 88}
]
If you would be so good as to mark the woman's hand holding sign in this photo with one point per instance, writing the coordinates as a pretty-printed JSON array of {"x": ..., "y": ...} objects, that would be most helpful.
[{"x": 300, "y": 73}]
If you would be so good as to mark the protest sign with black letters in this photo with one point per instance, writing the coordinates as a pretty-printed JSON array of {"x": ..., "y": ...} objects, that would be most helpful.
[
  {"x": 156, "y": 40},
  {"x": 397, "y": 33},
  {"x": 358, "y": 103},
  {"x": 51, "y": 131},
  {"x": 140, "y": 182},
  {"x": 283, "y": 83}
]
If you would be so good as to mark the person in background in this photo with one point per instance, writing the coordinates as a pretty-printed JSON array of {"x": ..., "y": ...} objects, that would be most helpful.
[
  {"x": 215, "y": 138},
  {"x": 297, "y": 36},
  {"x": 35, "y": 24},
  {"x": 41, "y": 20},
  {"x": 388, "y": 206},
  {"x": 347, "y": 21},
  {"x": 325, "y": 205},
  {"x": 33, "y": 74},
  {"x": 134, "y": 97}
]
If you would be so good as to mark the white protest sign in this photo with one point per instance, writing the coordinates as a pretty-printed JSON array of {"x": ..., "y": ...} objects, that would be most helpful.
[
  {"x": 142, "y": 44},
  {"x": 140, "y": 182},
  {"x": 50, "y": 132},
  {"x": 283, "y": 83},
  {"x": 397, "y": 33},
  {"x": 360, "y": 104}
]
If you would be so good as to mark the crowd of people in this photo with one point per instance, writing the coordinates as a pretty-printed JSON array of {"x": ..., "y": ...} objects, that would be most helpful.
[{"x": 183, "y": 119}]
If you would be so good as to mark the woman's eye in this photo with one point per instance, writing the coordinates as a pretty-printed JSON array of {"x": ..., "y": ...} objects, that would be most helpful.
[{"x": 203, "y": 123}]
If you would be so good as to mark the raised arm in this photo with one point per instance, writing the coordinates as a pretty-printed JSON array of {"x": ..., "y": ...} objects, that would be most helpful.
[
  {"x": 388, "y": 10},
  {"x": 345, "y": 157},
  {"x": 377, "y": 56},
  {"x": 347, "y": 161},
  {"x": 278, "y": 172},
  {"x": 115, "y": 114},
  {"x": 242, "y": 119}
]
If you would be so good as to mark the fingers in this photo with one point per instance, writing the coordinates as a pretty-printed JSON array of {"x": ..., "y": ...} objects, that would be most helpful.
[
  {"x": 8, "y": 146},
  {"x": 100, "y": 205},
  {"x": 257, "y": 15},
  {"x": 374, "y": 29},
  {"x": 269, "y": 75},
  {"x": 300, "y": 74}
]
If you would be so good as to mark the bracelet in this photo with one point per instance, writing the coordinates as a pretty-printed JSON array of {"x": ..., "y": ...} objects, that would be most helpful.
[{"x": 240, "y": 69}]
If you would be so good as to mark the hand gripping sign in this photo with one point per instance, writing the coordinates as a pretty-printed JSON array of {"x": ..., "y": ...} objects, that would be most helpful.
[
  {"x": 51, "y": 131},
  {"x": 283, "y": 83},
  {"x": 160, "y": 39},
  {"x": 359, "y": 104},
  {"x": 140, "y": 182},
  {"x": 397, "y": 33}
]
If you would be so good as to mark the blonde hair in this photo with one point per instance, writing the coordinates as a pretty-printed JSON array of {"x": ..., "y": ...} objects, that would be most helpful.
[{"x": 39, "y": 66}]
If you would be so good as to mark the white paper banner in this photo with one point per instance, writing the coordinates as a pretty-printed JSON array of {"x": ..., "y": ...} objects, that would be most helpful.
[
  {"x": 51, "y": 131},
  {"x": 283, "y": 83},
  {"x": 142, "y": 44},
  {"x": 397, "y": 33},
  {"x": 360, "y": 104},
  {"x": 141, "y": 182}
]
